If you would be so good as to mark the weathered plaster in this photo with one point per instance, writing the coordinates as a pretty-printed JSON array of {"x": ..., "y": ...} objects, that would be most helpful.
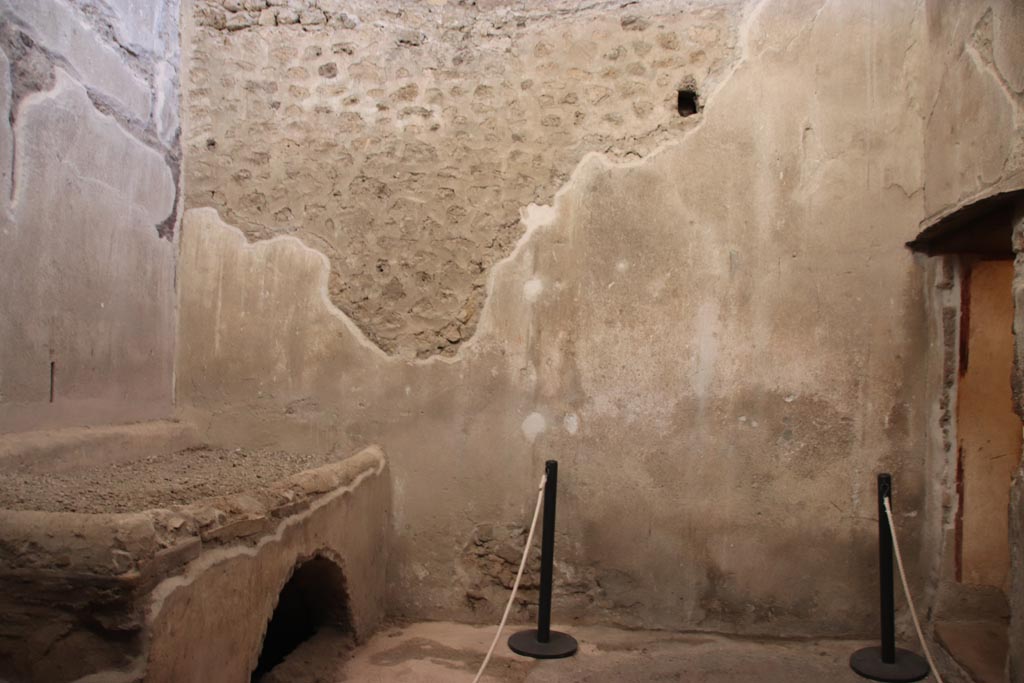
[
  {"x": 731, "y": 325},
  {"x": 89, "y": 186},
  {"x": 401, "y": 139},
  {"x": 975, "y": 103},
  {"x": 90, "y": 283},
  {"x": 57, "y": 26}
]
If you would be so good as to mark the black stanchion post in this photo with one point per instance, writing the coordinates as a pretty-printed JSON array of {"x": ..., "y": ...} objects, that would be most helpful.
[
  {"x": 888, "y": 599},
  {"x": 542, "y": 642},
  {"x": 547, "y": 552},
  {"x": 887, "y": 662}
]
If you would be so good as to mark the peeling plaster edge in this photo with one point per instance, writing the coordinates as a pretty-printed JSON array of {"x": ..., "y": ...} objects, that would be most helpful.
[
  {"x": 324, "y": 275},
  {"x": 106, "y": 102},
  {"x": 167, "y": 587},
  {"x": 133, "y": 111},
  {"x": 546, "y": 216},
  {"x": 67, "y": 85},
  {"x": 534, "y": 217},
  {"x": 985, "y": 65}
]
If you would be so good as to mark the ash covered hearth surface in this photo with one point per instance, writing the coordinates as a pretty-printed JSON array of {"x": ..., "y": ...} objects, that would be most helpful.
[{"x": 151, "y": 481}]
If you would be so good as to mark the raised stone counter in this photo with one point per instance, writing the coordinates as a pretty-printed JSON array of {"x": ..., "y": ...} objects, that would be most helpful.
[{"x": 185, "y": 592}]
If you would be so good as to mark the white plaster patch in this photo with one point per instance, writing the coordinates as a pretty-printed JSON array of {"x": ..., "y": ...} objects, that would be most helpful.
[
  {"x": 658, "y": 285},
  {"x": 571, "y": 423},
  {"x": 532, "y": 289},
  {"x": 538, "y": 214},
  {"x": 534, "y": 425},
  {"x": 166, "y": 104},
  {"x": 622, "y": 266},
  {"x": 137, "y": 22}
]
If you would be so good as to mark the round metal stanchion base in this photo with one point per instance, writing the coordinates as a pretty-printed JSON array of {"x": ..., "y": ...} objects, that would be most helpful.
[
  {"x": 559, "y": 645},
  {"x": 907, "y": 667}
]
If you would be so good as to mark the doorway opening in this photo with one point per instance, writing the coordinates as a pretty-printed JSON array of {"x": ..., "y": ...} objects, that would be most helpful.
[
  {"x": 988, "y": 429},
  {"x": 972, "y": 607}
]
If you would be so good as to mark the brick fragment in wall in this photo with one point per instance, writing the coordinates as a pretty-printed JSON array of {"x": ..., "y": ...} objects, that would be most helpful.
[
  {"x": 393, "y": 136},
  {"x": 491, "y": 560}
]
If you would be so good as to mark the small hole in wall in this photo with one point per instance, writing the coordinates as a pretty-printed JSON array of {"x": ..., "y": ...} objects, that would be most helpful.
[
  {"x": 211, "y": 144},
  {"x": 686, "y": 102}
]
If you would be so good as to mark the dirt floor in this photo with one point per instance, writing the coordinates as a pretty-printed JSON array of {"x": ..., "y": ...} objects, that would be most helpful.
[
  {"x": 152, "y": 482},
  {"x": 442, "y": 652}
]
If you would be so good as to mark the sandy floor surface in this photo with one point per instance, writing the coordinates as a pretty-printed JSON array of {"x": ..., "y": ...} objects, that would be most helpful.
[{"x": 440, "y": 652}]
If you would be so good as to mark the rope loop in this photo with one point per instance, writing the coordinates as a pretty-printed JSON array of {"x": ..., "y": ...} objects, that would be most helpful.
[
  {"x": 906, "y": 590},
  {"x": 519, "y": 576}
]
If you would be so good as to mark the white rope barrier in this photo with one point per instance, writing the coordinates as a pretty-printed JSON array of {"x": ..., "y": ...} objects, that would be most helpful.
[
  {"x": 529, "y": 544},
  {"x": 906, "y": 591},
  {"x": 519, "y": 576}
]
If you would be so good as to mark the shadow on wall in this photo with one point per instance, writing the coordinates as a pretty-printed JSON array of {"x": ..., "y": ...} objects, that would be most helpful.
[{"x": 315, "y": 596}]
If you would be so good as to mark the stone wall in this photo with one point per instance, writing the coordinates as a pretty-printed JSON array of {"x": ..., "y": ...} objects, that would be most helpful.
[
  {"x": 401, "y": 139},
  {"x": 89, "y": 157},
  {"x": 722, "y": 337}
]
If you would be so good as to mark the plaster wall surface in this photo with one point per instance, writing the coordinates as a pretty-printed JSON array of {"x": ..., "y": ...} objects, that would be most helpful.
[
  {"x": 401, "y": 139},
  {"x": 722, "y": 342},
  {"x": 88, "y": 177},
  {"x": 974, "y": 103}
]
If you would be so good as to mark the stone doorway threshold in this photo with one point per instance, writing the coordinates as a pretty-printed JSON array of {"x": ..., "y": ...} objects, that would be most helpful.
[
  {"x": 443, "y": 652},
  {"x": 979, "y": 647}
]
